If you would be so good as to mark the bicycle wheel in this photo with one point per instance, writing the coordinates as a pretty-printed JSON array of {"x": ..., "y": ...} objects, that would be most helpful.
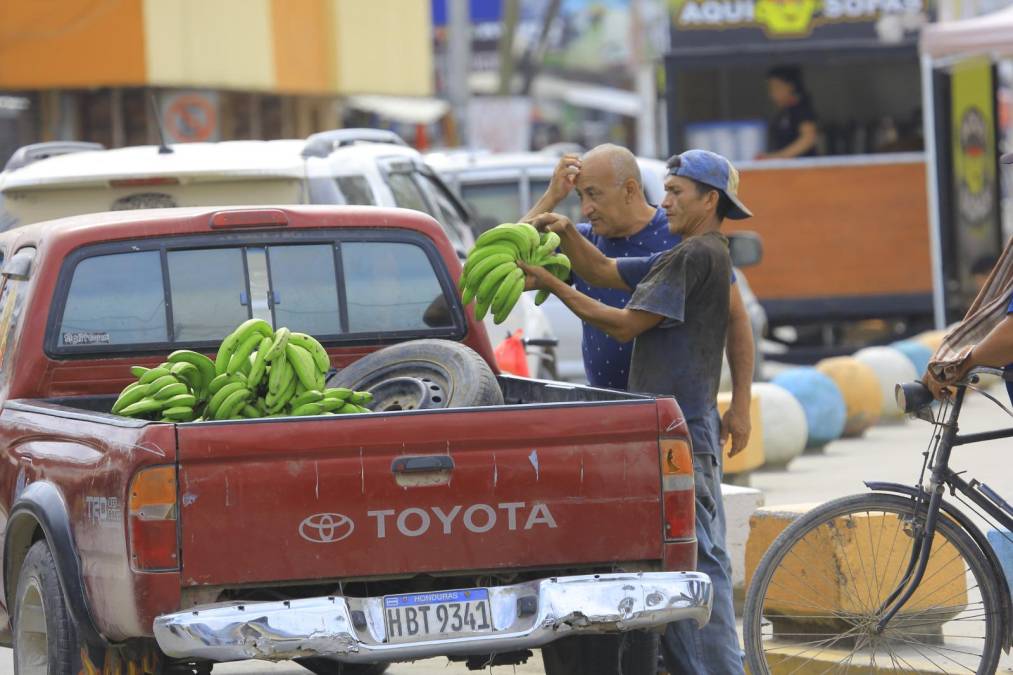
[{"x": 814, "y": 600}]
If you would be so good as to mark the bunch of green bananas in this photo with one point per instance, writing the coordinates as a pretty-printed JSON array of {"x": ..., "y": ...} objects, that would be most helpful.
[
  {"x": 491, "y": 276},
  {"x": 258, "y": 372}
]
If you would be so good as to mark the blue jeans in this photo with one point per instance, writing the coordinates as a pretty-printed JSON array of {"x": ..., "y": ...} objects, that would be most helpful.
[{"x": 714, "y": 649}]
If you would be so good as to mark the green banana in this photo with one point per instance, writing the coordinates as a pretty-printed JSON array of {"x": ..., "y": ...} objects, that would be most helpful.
[
  {"x": 232, "y": 404},
  {"x": 480, "y": 253},
  {"x": 361, "y": 398},
  {"x": 278, "y": 346},
  {"x": 221, "y": 380},
  {"x": 307, "y": 409},
  {"x": 144, "y": 406},
  {"x": 550, "y": 242},
  {"x": 214, "y": 405},
  {"x": 533, "y": 237},
  {"x": 513, "y": 294},
  {"x": 241, "y": 356},
  {"x": 188, "y": 373},
  {"x": 467, "y": 295},
  {"x": 281, "y": 372},
  {"x": 339, "y": 393},
  {"x": 249, "y": 411},
  {"x": 331, "y": 404},
  {"x": 481, "y": 308},
  {"x": 170, "y": 390},
  {"x": 507, "y": 232},
  {"x": 541, "y": 296},
  {"x": 311, "y": 396},
  {"x": 488, "y": 286},
  {"x": 504, "y": 289},
  {"x": 130, "y": 395},
  {"x": 477, "y": 274},
  {"x": 259, "y": 325},
  {"x": 225, "y": 350},
  {"x": 203, "y": 364},
  {"x": 153, "y": 374},
  {"x": 280, "y": 399},
  {"x": 259, "y": 366},
  {"x": 178, "y": 413},
  {"x": 320, "y": 358},
  {"x": 348, "y": 409},
  {"x": 163, "y": 381},
  {"x": 138, "y": 371},
  {"x": 188, "y": 400},
  {"x": 302, "y": 364}
]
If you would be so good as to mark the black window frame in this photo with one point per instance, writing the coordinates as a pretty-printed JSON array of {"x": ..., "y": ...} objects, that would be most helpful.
[{"x": 332, "y": 237}]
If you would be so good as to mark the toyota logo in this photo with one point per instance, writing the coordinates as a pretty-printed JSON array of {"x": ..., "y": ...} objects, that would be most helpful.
[{"x": 324, "y": 528}]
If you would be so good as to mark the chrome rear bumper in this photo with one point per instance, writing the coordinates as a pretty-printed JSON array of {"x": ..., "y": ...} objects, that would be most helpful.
[{"x": 525, "y": 616}]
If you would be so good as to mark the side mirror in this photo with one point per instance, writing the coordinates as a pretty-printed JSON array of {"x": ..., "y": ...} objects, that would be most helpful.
[{"x": 746, "y": 248}]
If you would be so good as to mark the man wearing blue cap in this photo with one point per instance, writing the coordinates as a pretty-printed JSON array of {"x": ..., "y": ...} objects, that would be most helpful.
[{"x": 678, "y": 320}]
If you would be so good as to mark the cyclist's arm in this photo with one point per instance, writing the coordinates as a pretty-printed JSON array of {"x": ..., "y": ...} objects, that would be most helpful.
[{"x": 995, "y": 349}]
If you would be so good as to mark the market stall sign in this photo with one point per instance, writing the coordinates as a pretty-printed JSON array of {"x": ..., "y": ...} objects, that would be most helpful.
[
  {"x": 973, "y": 154},
  {"x": 708, "y": 22}
]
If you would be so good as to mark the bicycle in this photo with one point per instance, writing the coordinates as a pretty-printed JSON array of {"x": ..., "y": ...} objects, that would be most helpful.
[{"x": 898, "y": 577}]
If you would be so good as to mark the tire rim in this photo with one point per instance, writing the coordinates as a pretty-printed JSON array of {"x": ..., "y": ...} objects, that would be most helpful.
[
  {"x": 434, "y": 389},
  {"x": 31, "y": 636},
  {"x": 407, "y": 393}
]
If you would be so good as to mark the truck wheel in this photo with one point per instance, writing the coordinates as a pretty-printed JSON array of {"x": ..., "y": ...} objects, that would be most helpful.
[
  {"x": 633, "y": 653},
  {"x": 422, "y": 374},
  {"x": 45, "y": 639},
  {"x": 322, "y": 666}
]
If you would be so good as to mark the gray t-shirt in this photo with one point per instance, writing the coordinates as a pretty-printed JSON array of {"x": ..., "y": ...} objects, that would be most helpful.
[{"x": 681, "y": 356}]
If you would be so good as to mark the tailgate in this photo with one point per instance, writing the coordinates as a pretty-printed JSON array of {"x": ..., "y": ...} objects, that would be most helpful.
[{"x": 411, "y": 492}]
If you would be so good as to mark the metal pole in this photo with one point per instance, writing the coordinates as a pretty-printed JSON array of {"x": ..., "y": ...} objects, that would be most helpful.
[
  {"x": 458, "y": 61},
  {"x": 932, "y": 192},
  {"x": 643, "y": 74}
]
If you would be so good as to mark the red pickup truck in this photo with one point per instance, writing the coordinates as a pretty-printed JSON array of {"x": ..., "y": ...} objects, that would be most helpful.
[{"x": 471, "y": 514}]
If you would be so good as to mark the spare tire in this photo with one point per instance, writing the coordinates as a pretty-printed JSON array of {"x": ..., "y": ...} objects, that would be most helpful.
[{"x": 422, "y": 374}]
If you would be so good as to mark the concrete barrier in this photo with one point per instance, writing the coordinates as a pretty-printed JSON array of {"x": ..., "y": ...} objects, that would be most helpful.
[
  {"x": 916, "y": 352},
  {"x": 830, "y": 565},
  {"x": 860, "y": 387},
  {"x": 891, "y": 366},
  {"x": 740, "y": 503},
  {"x": 931, "y": 339},
  {"x": 821, "y": 401},
  {"x": 785, "y": 430},
  {"x": 1003, "y": 547},
  {"x": 738, "y": 468}
]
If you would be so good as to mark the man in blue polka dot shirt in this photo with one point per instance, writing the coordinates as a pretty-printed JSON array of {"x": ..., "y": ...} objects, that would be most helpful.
[{"x": 621, "y": 223}]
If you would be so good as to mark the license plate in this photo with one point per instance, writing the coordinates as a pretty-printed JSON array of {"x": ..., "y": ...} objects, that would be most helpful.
[{"x": 437, "y": 614}]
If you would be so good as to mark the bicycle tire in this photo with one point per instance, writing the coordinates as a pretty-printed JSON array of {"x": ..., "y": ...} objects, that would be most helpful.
[{"x": 786, "y": 581}]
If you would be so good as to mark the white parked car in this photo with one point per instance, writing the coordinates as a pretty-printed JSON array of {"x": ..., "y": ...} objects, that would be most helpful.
[
  {"x": 345, "y": 166},
  {"x": 502, "y": 187}
]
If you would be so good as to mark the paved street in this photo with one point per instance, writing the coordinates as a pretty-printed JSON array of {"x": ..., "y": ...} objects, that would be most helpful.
[{"x": 886, "y": 453}]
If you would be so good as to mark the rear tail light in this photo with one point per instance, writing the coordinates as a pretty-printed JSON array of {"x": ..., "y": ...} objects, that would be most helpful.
[
  {"x": 153, "y": 544},
  {"x": 678, "y": 489}
]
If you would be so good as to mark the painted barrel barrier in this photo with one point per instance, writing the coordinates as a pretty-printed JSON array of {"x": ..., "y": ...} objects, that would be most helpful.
[
  {"x": 891, "y": 367},
  {"x": 821, "y": 400},
  {"x": 859, "y": 385},
  {"x": 916, "y": 352},
  {"x": 785, "y": 429}
]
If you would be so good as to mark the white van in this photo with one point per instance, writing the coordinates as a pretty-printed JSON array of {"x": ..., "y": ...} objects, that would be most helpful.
[{"x": 344, "y": 166}]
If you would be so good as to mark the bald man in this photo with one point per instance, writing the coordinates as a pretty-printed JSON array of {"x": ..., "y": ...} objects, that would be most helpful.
[{"x": 622, "y": 224}]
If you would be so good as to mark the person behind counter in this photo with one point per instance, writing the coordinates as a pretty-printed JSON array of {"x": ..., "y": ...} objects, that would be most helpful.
[{"x": 792, "y": 131}]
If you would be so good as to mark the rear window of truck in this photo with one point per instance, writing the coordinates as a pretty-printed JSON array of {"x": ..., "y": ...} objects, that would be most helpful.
[{"x": 178, "y": 293}]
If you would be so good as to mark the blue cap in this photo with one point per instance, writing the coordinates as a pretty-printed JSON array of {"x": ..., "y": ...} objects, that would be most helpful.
[{"x": 714, "y": 170}]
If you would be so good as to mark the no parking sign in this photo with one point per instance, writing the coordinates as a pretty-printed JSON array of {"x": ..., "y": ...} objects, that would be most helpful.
[{"x": 190, "y": 116}]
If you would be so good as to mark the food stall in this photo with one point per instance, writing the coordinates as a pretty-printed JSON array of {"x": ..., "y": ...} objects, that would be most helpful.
[{"x": 846, "y": 234}]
